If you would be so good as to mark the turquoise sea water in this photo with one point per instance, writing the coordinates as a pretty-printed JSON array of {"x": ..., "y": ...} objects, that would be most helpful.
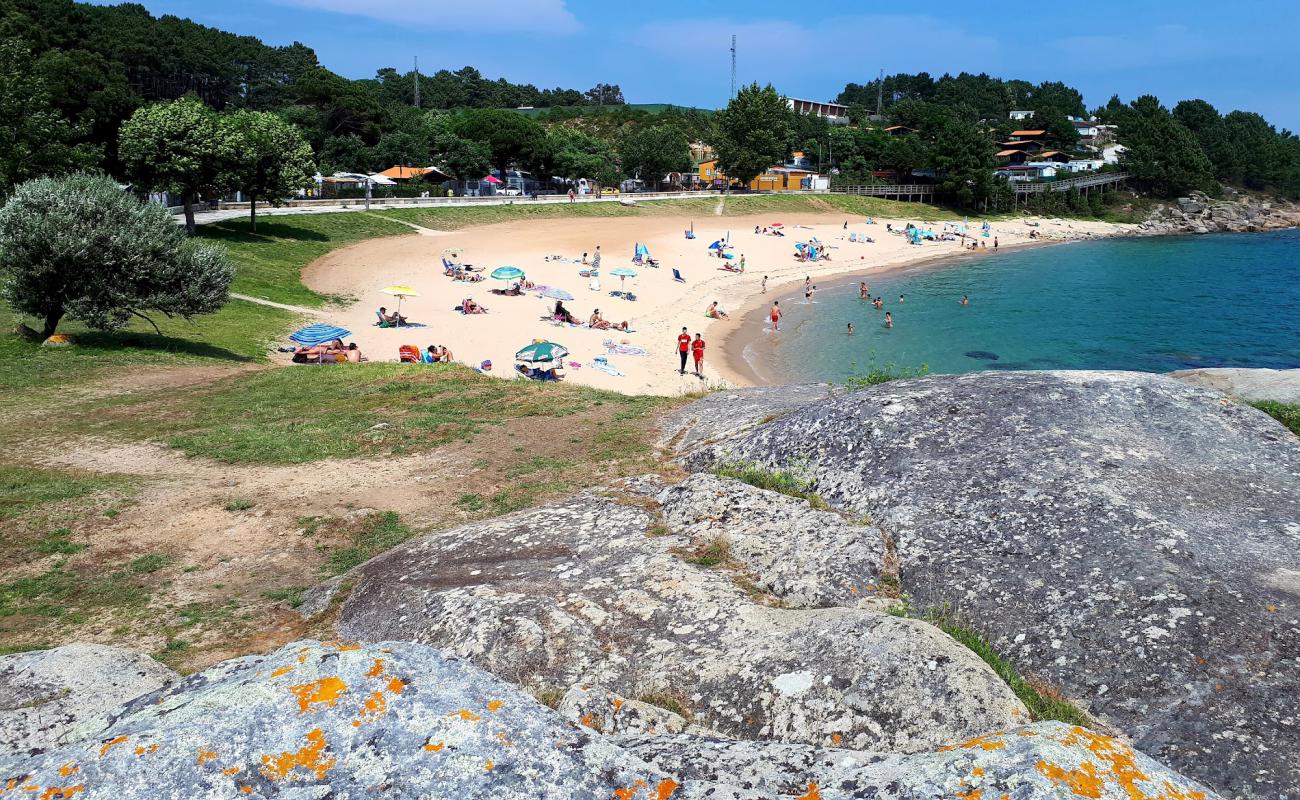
[{"x": 1154, "y": 304}]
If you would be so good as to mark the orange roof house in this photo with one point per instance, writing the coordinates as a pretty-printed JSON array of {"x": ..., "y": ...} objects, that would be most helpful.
[
  {"x": 406, "y": 173},
  {"x": 1027, "y": 134}
]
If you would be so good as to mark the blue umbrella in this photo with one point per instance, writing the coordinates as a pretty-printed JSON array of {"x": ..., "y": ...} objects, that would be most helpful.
[
  {"x": 623, "y": 274},
  {"x": 556, "y": 294},
  {"x": 313, "y": 335},
  {"x": 541, "y": 351},
  {"x": 507, "y": 273}
]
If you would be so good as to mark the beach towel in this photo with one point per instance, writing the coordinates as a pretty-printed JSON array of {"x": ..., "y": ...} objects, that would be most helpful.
[
  {"x": 601, "y": 364},
  {"x": 408, "y": 354},
  {"x": 624, "y": 349}
]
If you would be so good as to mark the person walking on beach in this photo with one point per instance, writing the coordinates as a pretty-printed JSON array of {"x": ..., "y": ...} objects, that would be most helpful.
[
  {"x": 776, "y": 315},
  {"x": 764, "y": 284},
  {"x": 595, "y": 260},
  {"x": 683, "y": 347},
  {"x": 889, "y": 320},
  {"x": 995, "y": 243},
  {"x": 697, "y": 350},
  {"x": 742, "y": 262}
]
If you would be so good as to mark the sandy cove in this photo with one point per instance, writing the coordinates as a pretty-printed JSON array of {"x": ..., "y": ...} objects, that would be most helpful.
[{"x": 663, "y": 305}]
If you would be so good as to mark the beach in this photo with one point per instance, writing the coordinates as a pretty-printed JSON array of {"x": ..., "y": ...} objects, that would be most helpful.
[{"x": 550, "y": 252}]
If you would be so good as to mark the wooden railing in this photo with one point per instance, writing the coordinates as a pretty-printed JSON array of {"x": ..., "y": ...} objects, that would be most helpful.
[
  {"x": 1084, "y": 182},
  {"x": 917, "y": 190}
]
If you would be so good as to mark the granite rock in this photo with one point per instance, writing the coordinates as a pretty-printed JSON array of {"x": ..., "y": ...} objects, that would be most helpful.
[
  {"x": 1126, "y": 538},
  {"x": 594, "y": 590},
  {"x": 46, "y": 694}
]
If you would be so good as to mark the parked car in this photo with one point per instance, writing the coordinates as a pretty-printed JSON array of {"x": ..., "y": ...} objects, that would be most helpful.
[
  {"x": 609, "y": 190},
  {"x": 510, "y": 191}
]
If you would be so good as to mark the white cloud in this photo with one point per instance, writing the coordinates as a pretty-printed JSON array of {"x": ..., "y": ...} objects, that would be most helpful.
[{"x": 472, "y": 16}]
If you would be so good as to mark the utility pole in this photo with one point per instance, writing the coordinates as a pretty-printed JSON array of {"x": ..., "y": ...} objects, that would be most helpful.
[
  {"x": 417, "y": 81},
  {"x": 880, "y": 93},
  {"x": 733, "y": 66}
]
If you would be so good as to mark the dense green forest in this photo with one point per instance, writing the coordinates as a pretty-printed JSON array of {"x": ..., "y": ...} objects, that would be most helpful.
[{"x": 72, "y": 74}]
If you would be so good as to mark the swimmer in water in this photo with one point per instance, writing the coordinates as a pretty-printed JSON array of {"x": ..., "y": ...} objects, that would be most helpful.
[
  {"x": 776, "y": 315},
  {"x": 965, "y": 300},
  {"x": 850, "y": 329},
  {"x": 900, "y": 299},
  {"x": 808, "y": 293},
  {"x": 889, "y": 320},
  {"x": 864, "y": 291}
]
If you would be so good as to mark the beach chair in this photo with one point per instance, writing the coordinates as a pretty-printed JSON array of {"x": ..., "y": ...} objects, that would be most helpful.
[{"x": 677, "y": 276}]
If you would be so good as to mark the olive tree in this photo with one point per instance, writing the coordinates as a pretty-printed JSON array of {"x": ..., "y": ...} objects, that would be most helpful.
[
  {"x": 179, "y": 147},
  {"x": 78, "y": 246},
  {"x": 270, "y": 159}
]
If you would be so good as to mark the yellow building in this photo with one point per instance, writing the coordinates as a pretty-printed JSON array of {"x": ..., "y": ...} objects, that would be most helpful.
[{"x": 708, "y": 171}]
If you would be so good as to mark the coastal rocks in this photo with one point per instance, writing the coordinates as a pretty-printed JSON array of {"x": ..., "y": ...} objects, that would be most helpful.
[
  {"x": 312, "y": 721},
  {"x": 46, "y": 694},
  {"x": 727, "y": 413},
  {"x": 597, "y": 591},
  {"x": 805, "y": 557},
  {"x": 1048, "y": 759},
  {"x": 1126, "y": 538},
  {"x": 315, "y": 720},
  {"x": 603, "y": 711},
  {"x": 1201, "y": 214},
  {"x": 1279, "y": 385}
]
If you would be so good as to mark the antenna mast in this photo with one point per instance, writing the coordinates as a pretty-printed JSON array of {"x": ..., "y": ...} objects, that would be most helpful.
[
  {"x": 733, "y": 66},
  {"x": 880, "y": 92},
  {"x": 417, "y": 81}
]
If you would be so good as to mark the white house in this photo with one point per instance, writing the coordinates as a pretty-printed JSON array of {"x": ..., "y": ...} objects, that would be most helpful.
[{"x": 1020, "y": 115}]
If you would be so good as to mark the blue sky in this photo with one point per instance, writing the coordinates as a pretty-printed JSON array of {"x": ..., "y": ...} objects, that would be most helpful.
[{"x": 1236, "y": 55}]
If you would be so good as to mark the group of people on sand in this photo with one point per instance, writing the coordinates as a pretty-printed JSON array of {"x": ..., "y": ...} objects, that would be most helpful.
[
  {"x": 596, "y": 321},
  {"x": 470, "y": 306},
  {"x": 765, "y": 231},
  {"x": 334, "y": 351},
  {"x": 436, "y": 354}
]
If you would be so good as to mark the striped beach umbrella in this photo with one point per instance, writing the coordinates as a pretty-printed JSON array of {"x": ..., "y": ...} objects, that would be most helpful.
[{"x": 507, "y": 273}]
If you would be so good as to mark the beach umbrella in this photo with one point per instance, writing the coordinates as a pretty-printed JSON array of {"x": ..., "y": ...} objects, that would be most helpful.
[
  {"x": 556, "y": 294},
  {"x": 507, "y": 273},
  {"x": 320, "y": 333},
  {"x": 541, "y": 351},
  {"x": 623, "y": 273},
  {"x": 777, "y": 225},
  {"x": 716, "y": 245},
  {"x": 400, "y": 292}
]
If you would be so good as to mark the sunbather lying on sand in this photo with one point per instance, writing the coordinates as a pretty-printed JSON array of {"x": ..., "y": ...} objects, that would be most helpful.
[
  {"x": 600, "y": 323},
  {"x": 562, "y": 314},
  {"x": 468, "y": 306}
]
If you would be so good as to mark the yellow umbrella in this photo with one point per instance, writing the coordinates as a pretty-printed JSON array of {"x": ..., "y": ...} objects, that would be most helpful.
[{"x": 400, "y": 292}]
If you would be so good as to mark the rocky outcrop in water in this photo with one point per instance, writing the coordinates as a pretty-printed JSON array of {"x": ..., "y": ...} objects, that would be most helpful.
[
  {"x": 47, "y": 694},
  {"x": 1128, "y": 539},
  {"x": 316, "y": 721},
  {"x": 1200, "y": 213}
]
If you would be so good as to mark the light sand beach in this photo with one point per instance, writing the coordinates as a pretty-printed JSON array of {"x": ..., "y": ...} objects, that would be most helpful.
[{"x": 549, "y": 252}]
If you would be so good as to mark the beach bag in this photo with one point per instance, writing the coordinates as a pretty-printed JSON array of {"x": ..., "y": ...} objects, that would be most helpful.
[{"x": 408, "y": 354}]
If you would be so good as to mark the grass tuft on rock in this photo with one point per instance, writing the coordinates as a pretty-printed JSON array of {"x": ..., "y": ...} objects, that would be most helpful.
[
  {"x": 1286, "y": 413},
  {"x": 785, "y": 482}
]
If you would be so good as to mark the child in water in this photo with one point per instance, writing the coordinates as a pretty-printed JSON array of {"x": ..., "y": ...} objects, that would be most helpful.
[
  {"x": 850, "y": 329},
  {"x": 889, "y": 320}
]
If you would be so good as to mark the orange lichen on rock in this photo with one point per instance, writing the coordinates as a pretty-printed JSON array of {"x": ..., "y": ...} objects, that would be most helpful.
[
  {"x": 971, "y": 794},
  {"x": 466, "y": 715},
  {"x": 396, "y": 685},
  {"x": 246, "y": 789},
  {"x": 504, "y": 739},
  {"x": 61, "y": 792},
  {"x": 617, "y": 702},
  {"x": 230, "y": 771},
  {"x": 588, "y": 720},
  {"x": 665, "y": 789},
  {"x": 281, "y": 671},
  {"x": 991, "y": 742},
  {"x": 310, "y": 757},
  {"x": 433, "y": 747},
  {"x": 142, "y": 750},
  {"x": 110, "y": 744},
  {"x": 374, "y": 707},
  {"x": 977, "y": 772},
  {"x": 376, "y": 669},
  {"x": 1083, "y": 782},
  {"x": 813, "y": 793},
  {"x": 325, "y": 691},
  {"x": 68, "y": 768},
  {"x": 494, "y": 706},
  {"x": 205, "y": 756},
  {"x": 836, "y": 739},
  {"x": 489, "y": 766}
]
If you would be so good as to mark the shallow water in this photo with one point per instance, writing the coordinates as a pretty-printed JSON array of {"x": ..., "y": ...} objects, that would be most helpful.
[{"x": 1153, "y": 304}]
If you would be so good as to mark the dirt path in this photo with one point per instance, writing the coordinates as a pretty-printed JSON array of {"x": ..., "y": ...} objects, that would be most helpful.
[{"x": 314, "y": 312}]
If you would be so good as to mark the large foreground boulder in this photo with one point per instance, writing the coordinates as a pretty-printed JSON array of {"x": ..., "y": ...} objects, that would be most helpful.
[
  {"x": 315, "y": 721},
  {"x": 46, "y": 694},
  {"x": 596, "y": 591},
  {"x": 1128, "y": 539}
]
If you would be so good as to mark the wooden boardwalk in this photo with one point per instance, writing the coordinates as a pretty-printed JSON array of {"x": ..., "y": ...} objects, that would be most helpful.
[{"x": 924, "y": 193}]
